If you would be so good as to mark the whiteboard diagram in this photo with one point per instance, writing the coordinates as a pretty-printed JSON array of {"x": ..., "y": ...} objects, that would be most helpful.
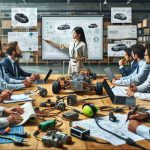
[
  {"x": 122, "y": 32},
  {"x": 59, "y": 30},
  {"x": 28, "y": 41},
  {"x": 23, "y": 17}
]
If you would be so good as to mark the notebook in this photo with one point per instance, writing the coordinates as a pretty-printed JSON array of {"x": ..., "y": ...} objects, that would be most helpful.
[{"x": 45, "y": 79}]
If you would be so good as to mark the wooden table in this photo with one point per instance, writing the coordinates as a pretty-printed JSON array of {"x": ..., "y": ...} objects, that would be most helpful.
[{"x": 77, "y": 143}]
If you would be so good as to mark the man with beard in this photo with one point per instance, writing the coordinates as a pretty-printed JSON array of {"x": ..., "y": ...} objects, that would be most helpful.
[
  {"x": 7, "y": 83},
  {"x": 12, "y": 67}
]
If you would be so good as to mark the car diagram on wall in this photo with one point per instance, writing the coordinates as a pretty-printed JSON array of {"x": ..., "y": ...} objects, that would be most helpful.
[
  {"x": 121, "y": 15},
  {"x": 23, "y": 17}
]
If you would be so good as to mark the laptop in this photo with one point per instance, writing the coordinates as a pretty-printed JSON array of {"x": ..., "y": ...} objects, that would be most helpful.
[
  {"x": 109, "y": 73},
  {"x": 118, "y": 94},
  {"x": 39, "y": 81}
]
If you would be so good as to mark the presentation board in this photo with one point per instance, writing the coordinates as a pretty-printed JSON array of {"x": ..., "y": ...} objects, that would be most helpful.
[
  {"x": 23, "y": 17},
  {"x": 28, "y": 41},
  {"x": 121, "y": 15},
  {"x": 117, "y": 49},
  {"x": 59, "y": 30},
  {"x": 122, "y": 32}
]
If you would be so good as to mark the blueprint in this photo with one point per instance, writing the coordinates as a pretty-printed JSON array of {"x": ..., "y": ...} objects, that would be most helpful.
[{"x": 119, "y": 128}]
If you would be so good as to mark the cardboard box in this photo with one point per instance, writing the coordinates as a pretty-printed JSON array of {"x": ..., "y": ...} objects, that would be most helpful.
[
  {"x": 147, "y": 31},
  {"x": 6, "y": 23},
  {"x": 139, "y": 25},
  {"x": 146, "y": 22}
]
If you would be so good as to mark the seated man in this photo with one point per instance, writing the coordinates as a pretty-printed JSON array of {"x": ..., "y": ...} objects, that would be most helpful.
[
  {"x": 127, "y": 70},
  {"x": 136, "y": 126},
  {"x": 12, "y": 67},
  {"x": 142, "y": 71},
  {"x": 9, "y": 83},
  {"x": 13, "y": 116},
  {"x": 142, "y": 91}
]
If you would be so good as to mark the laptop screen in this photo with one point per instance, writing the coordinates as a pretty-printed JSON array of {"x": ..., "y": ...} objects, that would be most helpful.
[
  {"x": 109, "y": 73},
  {"x": 108, "y": 90},
  {"x": 47, "y": 76}
]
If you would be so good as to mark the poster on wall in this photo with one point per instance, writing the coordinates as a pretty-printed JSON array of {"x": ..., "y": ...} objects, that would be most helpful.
[
  {"x": 27, "y": 41},
  {"x": 23, "y": 17},
  {"x": 121, "y": 15},
  {"x": 122, "y": 32},
  {"x": 118, "y": 48},
  {"x": 59, "y": 30}
]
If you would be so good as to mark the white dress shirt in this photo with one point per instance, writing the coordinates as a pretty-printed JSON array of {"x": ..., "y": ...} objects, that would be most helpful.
[{"x": 143, "y": 131}]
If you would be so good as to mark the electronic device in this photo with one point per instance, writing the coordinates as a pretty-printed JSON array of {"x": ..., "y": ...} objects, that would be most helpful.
[
  {"x": 39, "y": 81},
  {"x": 66, "y": 139},
  {"x": 71, "y": 115},
  {"x": 44, "y": 126},
  {"x": 109, "y": 74},
  {"x": 117, "y": 96},
  {"x": 60, "y": 105},
  {"x": 42, "y": 91},
  {"x": 79, "y": 132}
]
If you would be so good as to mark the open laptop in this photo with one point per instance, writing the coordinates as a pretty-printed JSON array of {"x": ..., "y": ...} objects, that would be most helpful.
[
  {"x": 39, "y": 81},
  {"x": 118, "y": 94},
  {"x": 109, "y": 73}
]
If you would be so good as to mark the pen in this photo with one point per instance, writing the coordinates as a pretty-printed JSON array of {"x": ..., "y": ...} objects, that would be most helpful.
[{"x": 133, "y": 112}]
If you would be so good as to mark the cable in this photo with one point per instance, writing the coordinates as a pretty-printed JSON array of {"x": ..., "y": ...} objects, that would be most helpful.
[
  {"x": 128, "y": 141},
  {"x": 94, "y": 98}
]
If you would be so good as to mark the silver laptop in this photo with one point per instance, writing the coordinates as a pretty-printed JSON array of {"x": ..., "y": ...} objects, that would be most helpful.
[
  {"x": 118, "y": 95},
  {"x": 109, "y": 73},
  {"x": 45, "y": 79}
]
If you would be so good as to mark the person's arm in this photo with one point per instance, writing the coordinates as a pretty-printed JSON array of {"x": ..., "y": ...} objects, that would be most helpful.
[
  {"x": 4, "y": 85},
  {"x": 56, "y": 45}
]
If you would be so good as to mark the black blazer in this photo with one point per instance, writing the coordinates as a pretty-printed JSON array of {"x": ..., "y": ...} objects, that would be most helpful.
[{"x": 10, "y": 72}]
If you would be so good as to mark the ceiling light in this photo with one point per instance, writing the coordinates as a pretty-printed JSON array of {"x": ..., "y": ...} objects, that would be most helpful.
[
  {"x": 105, "y": 2},
  {"x": 129, "y": 1}
]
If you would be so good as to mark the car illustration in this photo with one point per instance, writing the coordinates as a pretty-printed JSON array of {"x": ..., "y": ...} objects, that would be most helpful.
[
  {"x": 119, "y": 47},
  {"x": 22, "y": 18},
  {"x": 93, "y": 25},
  {"x": 120, "y": 16},
  {"x": 64, "y": 27}
]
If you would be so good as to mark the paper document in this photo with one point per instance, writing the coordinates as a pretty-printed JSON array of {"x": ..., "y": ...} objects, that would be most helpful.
[
  {"x": 29, "y": 113},
  {"x": 18, "y": 98},
  {"x": 119, "y": 128}
]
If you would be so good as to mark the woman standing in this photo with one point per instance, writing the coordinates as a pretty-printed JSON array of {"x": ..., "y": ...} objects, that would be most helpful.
[{"x": 77, "y": 50}]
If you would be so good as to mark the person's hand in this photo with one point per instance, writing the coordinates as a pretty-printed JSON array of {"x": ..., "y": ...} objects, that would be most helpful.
[
  {"x": 113, "y": 81},
  {"x": 133, "y": 87},
  {"x": 139, "y": 116},
  {"x": 14, "y": 119},
  {"x": 13, "y": 110},
  {"x": 27, "y": 83},
  {"x": 122, "y": 62},
  {"x": 5, "y": 95},
  {"x": 133, "y": 124},
  {"x": 130, "y": 92}
]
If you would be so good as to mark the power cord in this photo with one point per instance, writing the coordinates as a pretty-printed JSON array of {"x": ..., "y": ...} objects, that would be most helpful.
[{"x": 128, "y": 141}]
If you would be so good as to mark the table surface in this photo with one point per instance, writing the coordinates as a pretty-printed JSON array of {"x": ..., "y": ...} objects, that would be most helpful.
[{"x": 77, "y": 143}]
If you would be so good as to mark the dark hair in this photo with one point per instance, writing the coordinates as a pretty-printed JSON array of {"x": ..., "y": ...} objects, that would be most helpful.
[
  {"x": 139, "y": 49},
  {"x": 10, "y": 49},
  {"x": 79, "y": 30},
  {"x": 147, "y": 46},
  {"x": 129, "y": 51},
  {"x": 12, "y": 44}
]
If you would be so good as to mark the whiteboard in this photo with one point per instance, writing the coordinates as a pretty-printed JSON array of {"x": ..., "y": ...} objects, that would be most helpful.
[
  {"x": 122, "y": 32},
  {"x": 27, "y": 41},
  {"x": 24, "y": 17},
  {"x": 59, "y": 30}
]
